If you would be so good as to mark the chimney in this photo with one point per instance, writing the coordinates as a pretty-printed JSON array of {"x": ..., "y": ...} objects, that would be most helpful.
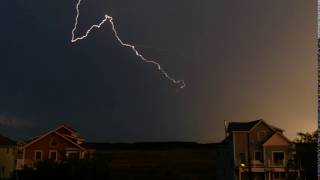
[{"x": 225, "y": 128}]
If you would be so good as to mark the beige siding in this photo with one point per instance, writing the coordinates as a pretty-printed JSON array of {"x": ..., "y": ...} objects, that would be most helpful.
[
  {"x": 276, "y": 139},
  {"x": 275, "y": 144},
  {"x": 240, "y": 143},
  {"x": 254, "y": 134},
  {"x": 256, "y": 140},
  {"x": 270, "y": 149},
  {"x": 7, "y": 160},
  {"x": 264, "y": 139}
]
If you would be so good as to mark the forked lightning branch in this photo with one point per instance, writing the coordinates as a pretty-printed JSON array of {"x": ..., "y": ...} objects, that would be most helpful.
[{"x": 109, "y": 19}]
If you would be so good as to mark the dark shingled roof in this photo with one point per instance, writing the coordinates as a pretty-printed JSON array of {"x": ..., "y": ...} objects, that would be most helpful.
[
  {"x": 241, "y": 126},
  {"x": 6, "y": 141}
]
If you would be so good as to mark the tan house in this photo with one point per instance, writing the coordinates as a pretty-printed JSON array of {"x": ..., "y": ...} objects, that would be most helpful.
[
  {"x": 260, "y": 150},
  {"x": 56, "y": 144},
  {"x": 7, "y": 156}
]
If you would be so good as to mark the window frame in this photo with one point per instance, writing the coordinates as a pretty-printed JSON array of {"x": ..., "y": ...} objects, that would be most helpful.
[
  {"x": 284, "y": 157},
  {"x": 55, "y": 151},
  {"x": 244, "y": 160},
  {"x": 35, "y": 155}
]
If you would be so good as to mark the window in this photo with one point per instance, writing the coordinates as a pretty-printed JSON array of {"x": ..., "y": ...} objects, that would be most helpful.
[
  {"x": 53, "y": 143},
  {"x": 278, "y": 157},
  {"x": 276, "y": 175},
  {"x": 242, "y": 157},
  {"x": 8, "y": 150},
  {"x": 53, "y": 155},
  {"x": 258, "y": 156},
  {"x": 38, "y": 155}
]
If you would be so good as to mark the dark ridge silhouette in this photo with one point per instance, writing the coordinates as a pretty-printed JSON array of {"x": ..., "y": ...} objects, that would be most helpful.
[{"x": 149, "y": 145}]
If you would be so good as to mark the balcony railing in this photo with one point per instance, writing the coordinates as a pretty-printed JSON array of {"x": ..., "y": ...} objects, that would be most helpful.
[
  {"x": 265, "y": 164},
  {"x": 259, "y": 163},
  {"x": 279, "y": 163}
]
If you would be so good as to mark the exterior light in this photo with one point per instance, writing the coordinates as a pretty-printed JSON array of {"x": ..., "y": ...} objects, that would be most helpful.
[{"x": 242, "y": 165}]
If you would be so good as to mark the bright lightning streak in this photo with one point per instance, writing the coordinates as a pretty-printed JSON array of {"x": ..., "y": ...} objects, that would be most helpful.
[{"x": 115, "y": 32}]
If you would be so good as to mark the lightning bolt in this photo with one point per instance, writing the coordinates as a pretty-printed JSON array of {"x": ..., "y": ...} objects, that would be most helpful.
[{"x": 109, "y": 19}]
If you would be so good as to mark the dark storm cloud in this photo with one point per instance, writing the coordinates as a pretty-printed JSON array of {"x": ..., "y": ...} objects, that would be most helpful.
[
  {"x": 241, "y": 61},
  {"x": 13, "y": 122}
]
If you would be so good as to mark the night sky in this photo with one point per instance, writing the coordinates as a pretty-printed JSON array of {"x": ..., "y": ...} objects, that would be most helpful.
[{"x": 241, "y": 61}]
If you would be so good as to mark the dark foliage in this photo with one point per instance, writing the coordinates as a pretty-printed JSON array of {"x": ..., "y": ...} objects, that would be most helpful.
[
  {"x": 93, "y": 168},
  {"x": 307, "y": 156}
]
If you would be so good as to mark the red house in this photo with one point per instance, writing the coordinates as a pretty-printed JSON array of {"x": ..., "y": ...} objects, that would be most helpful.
[{"x": 56, "y": 144}]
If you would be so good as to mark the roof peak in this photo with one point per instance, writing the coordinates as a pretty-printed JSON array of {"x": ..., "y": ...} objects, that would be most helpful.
[
  {"x": 247, "y": 121},
  {"x": 67, "y": 127},
  {"x": 242, "y": 126}
]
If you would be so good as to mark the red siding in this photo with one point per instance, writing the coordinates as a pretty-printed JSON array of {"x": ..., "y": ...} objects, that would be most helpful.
[{"x": 45, "y": 146}]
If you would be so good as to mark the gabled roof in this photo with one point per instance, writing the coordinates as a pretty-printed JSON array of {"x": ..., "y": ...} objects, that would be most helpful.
[
  {"x": 4, "y": 141},
  {"x": 249, "y": 126},
  {"x": 71, "y": 130},
  {"x": 277, "y": 139},
  {"x": 43, "y": 136},
  {"x": 276, "y": 128},
  {"x": 242, "y": 126},
  {"x": 59, "y": 134}
]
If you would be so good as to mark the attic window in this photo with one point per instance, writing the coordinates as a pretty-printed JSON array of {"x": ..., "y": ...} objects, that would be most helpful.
[{"x": 53, "y": 143}]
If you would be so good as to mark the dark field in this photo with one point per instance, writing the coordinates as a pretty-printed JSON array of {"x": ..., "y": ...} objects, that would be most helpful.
[
  {"x": 162, "y": 163},
  {"x": 138, "y": 161}
]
